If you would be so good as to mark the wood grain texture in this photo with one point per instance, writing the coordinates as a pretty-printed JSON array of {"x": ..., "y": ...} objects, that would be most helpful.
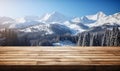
[{"x": 59, "y": 56}]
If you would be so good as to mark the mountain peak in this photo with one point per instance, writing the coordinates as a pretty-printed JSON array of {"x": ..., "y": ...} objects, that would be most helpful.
[
  {"x": 55, "y": 12},
  {"x": 117, "y": 14},
  {"x": 53, "y": 17},
  {"x": 96, "y": 16},
  {"x": 101, "y": 14},
  {"x": 76, "y": 19}
]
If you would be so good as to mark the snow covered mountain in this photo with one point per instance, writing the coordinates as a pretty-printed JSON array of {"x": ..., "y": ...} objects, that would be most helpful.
[
  {"x": 108, "y": 20},
  {"x": 5, "y": 22},
  {"x": 54, "y": 17},
  {"x": 81, "y": 24},
  {"x": 50, "y": 21},
  {"x": 59, "y": 30},
  {"x": 26, "y": 21},
  {"x": 76, "y": 27},
  {"x": 92, "y": 18},
  {"x": 89, "y": 18},
  {"x": 99, "y": 19},
  {"x": 45, "y": 29},
  {"x": 93, "y": 21}
]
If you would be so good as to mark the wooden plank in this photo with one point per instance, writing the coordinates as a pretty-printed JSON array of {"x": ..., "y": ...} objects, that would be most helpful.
[
  {"x": 59, "y": 56},
  {"x": 57, "y": 48}
]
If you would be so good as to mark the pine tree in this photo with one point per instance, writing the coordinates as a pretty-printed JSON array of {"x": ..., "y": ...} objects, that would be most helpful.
[
  {"x": 10, "y": 36},
  {"x": 86, "y": 39}
]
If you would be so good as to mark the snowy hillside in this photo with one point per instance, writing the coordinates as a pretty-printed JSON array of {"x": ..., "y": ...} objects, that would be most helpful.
[
  {"x": 54, "y": 17},
  {"x": 55, "y": 29},
  {"x": 89, "y": 19},
  {"x": 5, "y": 22},
  {"x": 108, "y": 20},
  {"x": 75, "y": 25}
]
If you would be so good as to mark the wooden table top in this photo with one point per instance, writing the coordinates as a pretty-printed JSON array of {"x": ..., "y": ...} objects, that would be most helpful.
[{"x": 59, "y": 56}]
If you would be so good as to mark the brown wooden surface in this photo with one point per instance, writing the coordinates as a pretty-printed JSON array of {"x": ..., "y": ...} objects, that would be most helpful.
[
  {"x": 59, "y": 56},
  {"x": 59, "y": 59}
]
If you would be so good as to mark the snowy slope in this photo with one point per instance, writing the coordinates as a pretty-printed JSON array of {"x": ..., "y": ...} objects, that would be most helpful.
[
  {"x": 89, "y": 19},
  {"x": 96, "y": 16},
  {"x": 98, "y": 19},
  {"x": 76, "y": 19},
  {"x": 50, "y": 21},
  {"x": 64, "y": 43},
  {"x": 108, "y": 20},
  {"x": 26, "y": 21},
  {"x": 43, "y": 28},
  {"x": 54, "y": 17},
  {"x": 86, "y": 22},
  {"x": 24, "y": 24},
  {"x": 5, "y": 22},
  {"x": 75, "y": 27}
]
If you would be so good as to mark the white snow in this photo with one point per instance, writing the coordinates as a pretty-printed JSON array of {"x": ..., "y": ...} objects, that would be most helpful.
[
  {"x": 89, "y": 19},
  {"x": 108, "y": 20},
  {"x": 46, "y": 17},
  {"x": 20, "y": 20},
  {"x": 96, "y": 16},
  {"x": 35, "y": 23},
  {"x": 64, "y": 43},
  {"x": 53, "y": 17},
  {"x": 6, "y": 20},
  {"x": 77, "y": 19},
  {"x": 76, "y": 29},
  {"x": 38, "y": 28}
]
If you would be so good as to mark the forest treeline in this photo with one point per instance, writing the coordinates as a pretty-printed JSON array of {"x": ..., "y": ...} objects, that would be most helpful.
[
  {"x": 9, "y": 37},
  {"x": 106, "y": 38}
]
